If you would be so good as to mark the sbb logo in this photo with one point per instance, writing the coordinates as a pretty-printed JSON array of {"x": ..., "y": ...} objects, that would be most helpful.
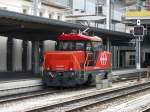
[{"x": 103, "y": 58}]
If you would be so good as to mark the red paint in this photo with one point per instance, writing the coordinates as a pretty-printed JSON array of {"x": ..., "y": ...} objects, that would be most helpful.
[
  {"x": 75, "y": 60},
  {"x": 63, "y": 60},
  {"x": 64, "y": 37},
  {"x": 104, "y": 60}
]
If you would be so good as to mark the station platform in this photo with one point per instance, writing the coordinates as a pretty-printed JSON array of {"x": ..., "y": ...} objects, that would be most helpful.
[
  {"x": 9, "y": 76},
  {"x": 22, "y": 83},
  {"x": 126, "y": 71},
  {"x": 12, "y": 80}
]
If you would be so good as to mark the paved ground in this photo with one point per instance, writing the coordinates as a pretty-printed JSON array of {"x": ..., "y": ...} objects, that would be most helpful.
[
  {"x": 20, "y": 106},
  {"x": 137, "y": 105},
  {"x": 10, "y": 76}
]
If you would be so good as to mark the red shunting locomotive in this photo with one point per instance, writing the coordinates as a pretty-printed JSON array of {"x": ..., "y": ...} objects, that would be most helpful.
[{"x": 77, "y": 60}]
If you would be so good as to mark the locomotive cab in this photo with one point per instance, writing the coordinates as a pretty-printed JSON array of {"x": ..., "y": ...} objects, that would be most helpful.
[
  {"x": 75, "y": 61},
  {"x": 89, "y": 47}
]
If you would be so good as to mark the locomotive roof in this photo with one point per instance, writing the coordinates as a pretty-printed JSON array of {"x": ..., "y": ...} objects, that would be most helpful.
[{"x": 68, "y": 37}]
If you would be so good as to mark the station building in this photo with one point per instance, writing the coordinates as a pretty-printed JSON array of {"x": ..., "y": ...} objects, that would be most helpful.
[
  {"x": 134, "y": 10},
  {"x": 94, "y": 13},
  {"x": 16, "y": 54},
  {"x": 123, "y": 18}
]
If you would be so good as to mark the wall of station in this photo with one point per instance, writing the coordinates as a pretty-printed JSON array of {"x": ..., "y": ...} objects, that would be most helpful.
[
  {"x": 16, "y": 55},
  {"x": 25, "y": 7}
]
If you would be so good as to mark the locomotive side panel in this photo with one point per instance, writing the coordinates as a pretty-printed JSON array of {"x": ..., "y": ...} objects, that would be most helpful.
[{"x": 104, "y": 60}]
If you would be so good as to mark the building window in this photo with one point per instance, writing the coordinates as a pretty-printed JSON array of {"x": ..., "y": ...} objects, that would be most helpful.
[
  {"x": 98, "y": 10},
  {"x": 59, "y": 17},
  {"x": 50, "y": 16},
  {"x": 132, "y": 60},
  {"x": 41, "y": 14},
  {"x": 24, "y": 11}
]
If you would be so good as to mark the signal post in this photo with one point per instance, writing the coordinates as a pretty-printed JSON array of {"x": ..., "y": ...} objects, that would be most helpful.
[{"x": 138, "y": 34}]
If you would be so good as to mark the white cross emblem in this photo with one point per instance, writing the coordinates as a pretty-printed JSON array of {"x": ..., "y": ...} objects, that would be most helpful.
[{"x": 103, "y": 59}]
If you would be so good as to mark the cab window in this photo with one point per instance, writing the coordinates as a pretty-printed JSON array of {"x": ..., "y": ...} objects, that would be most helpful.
[
  {"x": 70, "y": 46},
  {"x": 79, "y": 46},
  {"x": 88, "y": 46},
  {"x": 66, "y": 46},
  {"x": 97, "y": 46}
]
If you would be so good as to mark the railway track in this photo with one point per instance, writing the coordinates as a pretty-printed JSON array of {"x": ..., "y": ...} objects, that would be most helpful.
[
  {"x": 24, "y": 86},
  {"x": 70, "y": 104},
  {"x": 16, "y": 93},
  {"x": 73, "y": 103},
  {"x": 27, "y": 95},
  {"x": 20, "y": 86},
  {"x": 30, "y": 92},
  {"x": 86, "y": 100},
  {"x": 38, "y": 93}
]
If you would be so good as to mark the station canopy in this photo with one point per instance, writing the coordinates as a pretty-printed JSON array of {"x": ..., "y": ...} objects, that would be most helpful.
[{"x": 33, "y": 28}]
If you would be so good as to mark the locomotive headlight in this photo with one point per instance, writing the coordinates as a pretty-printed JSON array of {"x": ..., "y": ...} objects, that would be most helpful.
[
  {"x": 48, "y": 68},
  {"x": 71, "y": 69}
]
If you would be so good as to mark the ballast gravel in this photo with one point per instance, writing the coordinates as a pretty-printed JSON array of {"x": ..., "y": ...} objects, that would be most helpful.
[{"x": 27, "y": 104}]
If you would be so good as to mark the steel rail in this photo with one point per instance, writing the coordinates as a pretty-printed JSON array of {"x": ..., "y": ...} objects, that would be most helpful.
[
  {"x": 33, "y": 94},
  {"x": 78, "y": 102},
  {"x": 21, "y": 90}
]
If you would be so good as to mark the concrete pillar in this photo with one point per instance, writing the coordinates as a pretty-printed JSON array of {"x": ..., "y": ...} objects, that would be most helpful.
[
  {"x": 3, "y": 53},
  {"x": 49, "y": 45},
  {"x": 35, "y": 57},
  {"x": 17, "y": 55}
]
